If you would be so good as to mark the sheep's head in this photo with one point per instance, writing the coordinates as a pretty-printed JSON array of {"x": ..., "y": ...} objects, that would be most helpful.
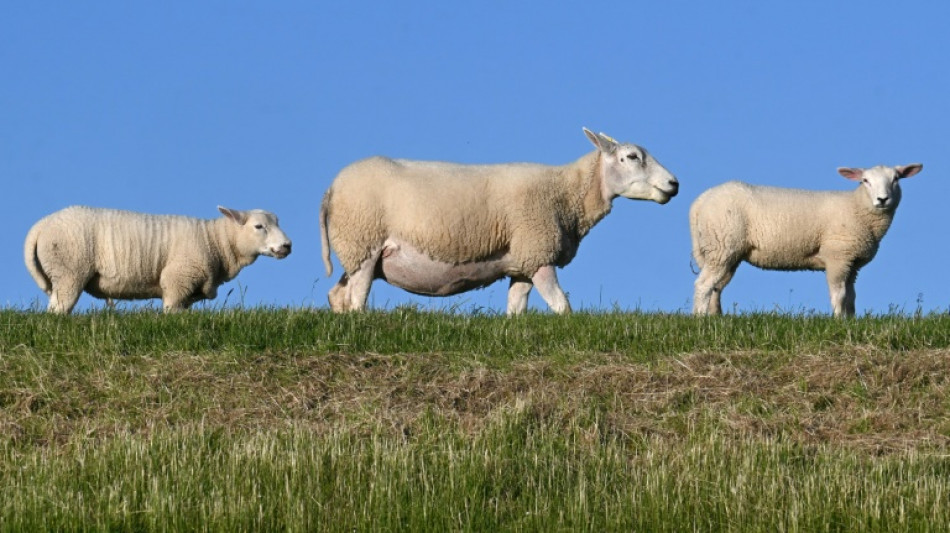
[
  {"x": 630, "y": 171},
  {"x": 258, "y": 233},
  {"x": 881, "y": 183}
]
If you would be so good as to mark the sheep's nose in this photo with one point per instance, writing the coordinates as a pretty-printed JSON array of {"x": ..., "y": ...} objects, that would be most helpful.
[{"x": 881, "y": 200}]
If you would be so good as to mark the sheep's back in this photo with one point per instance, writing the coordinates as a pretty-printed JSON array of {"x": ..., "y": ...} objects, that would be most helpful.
[
  {"x": 777, "y": 228},
  {"x": 454, "y": 212},
  {"x": 125, "y": 245}
]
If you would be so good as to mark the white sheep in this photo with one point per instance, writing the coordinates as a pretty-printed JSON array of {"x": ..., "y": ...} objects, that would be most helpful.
[
  {"x": 439, "y": 229},
  {"x": 116, "y": 254},
  {"x": 792, "y": 229}
]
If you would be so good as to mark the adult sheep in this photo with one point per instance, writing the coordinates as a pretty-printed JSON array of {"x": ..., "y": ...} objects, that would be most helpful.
[
  {"x": 792, "y": 229},
  {"x": 116, "y": 254},
  {"x": 438, "y": 229}
]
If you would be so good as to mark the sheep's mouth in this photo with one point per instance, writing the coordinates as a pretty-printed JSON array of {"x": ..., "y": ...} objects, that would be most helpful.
[
  {"x": 671, "y": 189},
  {"x": 280, "y": 253},
  {"x": 665, "y": 196}
]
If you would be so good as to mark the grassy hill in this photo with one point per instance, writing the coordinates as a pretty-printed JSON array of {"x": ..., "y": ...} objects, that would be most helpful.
[{"x": 267, "y": 419}]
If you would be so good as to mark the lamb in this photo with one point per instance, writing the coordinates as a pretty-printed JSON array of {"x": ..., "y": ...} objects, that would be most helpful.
[
  {"x": 111, "y": 253},
  {"x": 792, "y": 229},
  {"x": 436, "y": 228}
]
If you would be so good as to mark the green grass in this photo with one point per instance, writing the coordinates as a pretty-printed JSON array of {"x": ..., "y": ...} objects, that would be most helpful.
[
  {"x": 281, "y": 419},
  {"x": 406, "y": 330},
  {"x": 518, "y": 473}
]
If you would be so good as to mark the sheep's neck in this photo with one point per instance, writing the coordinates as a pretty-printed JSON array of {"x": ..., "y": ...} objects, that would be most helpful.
[
  {"x": 232, "y": 260},
  {"x": 877, "y": 221},
  {"x": 590, "y": 206},
  {"x": 880, "y": 224}
]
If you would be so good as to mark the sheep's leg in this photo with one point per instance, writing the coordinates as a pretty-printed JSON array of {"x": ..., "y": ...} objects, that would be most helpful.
[
  {"x": 850, "y": 295},
  {"x": 707, "y": 298},
  {"x": 361, "y": 281},
  {"x": 841, "y": 291},
  {"x": 175, "y": 292},
  {"x": 715, "y": 300},
  {"x": 63, "y": 296},
  {"x": 545, "y": 279},
  {"x": 175, "y": 300},
  {"x": 339, "y": 295},
  {"x": 518, "y": 295},
  {"x": 173, "y": 303},
  {"x": 702, "y": 294}
]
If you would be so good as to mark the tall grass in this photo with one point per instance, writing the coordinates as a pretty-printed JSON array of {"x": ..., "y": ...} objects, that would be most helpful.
[
  {"x": 286, "y": 419},
  {"x": 518, "y": 474}
]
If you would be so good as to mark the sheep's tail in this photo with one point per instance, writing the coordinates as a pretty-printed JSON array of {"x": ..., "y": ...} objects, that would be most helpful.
[
  {"x": 33, "y": 262},
  {"x": 324, "y": 237}
]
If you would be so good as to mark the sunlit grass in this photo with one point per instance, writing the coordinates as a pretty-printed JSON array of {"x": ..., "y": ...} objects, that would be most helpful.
[
  {"x": 295, "y": 419},
  {"x": 406, "y": 330},
  {"x": 517, "y": 473}
]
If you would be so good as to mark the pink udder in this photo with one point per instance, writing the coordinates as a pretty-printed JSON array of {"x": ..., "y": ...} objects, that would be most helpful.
[{"x": 409, "y": 269}]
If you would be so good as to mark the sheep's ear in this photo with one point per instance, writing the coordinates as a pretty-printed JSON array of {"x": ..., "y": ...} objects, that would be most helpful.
[
  {"x": 853, "y": 174},
  {"x": 238, "y": 216},
  {"x": 907, "y": 171},
  {"x": 601, "y": 141}
]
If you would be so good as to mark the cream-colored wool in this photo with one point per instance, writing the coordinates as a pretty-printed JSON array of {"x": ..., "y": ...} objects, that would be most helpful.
[
  {"x": 117, "y": 254},
  {"x": 479, "y": 222},
  {"x": 792, "y": 229}
]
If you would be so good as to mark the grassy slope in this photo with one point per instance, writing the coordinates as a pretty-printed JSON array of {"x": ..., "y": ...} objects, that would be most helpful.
[{"x": 295, "y": 419}]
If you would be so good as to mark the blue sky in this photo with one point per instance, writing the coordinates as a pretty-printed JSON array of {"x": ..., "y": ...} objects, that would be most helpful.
[{"x": 176, "y": 107}]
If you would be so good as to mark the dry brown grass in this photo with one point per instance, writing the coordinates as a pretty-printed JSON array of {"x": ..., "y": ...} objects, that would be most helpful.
[{"x": 856, "y": 397}]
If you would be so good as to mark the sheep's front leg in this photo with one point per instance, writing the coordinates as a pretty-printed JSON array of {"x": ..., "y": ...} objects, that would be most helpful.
[
  {"x": 545, "y": 279},
  {"x": 518, "y": 295},
  {"x": 850, "y": 296},
  {"x": 174, "y": 301},
  {"x": 841, "y": 291},
  {"x": 172, "y": 305},
  {"x": 176, "y": 289}
]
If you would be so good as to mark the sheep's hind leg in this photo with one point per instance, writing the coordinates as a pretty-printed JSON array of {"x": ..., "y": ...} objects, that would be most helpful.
[
  {"x": 716, "y": 298},
  {"x": 356, "y": 286},
  {"x": 339, "y": 295},
  {"x": 707, "y": 298},
  {"x": 545, "y": 279},
  {"x": 63, "y": 297},
  {"x": 518, "y": 295}
]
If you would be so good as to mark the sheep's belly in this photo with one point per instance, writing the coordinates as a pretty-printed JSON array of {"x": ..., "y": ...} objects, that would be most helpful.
[
  {"x": 798, "y": 260},
  {"x": 106, "y": 287},
  {"x": 409, "y": 269}
]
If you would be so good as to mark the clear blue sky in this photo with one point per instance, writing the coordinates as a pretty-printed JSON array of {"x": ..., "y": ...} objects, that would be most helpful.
[{"x": 176, "y": 107}]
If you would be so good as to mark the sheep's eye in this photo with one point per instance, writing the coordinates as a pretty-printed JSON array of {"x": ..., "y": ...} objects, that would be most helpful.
[
  {"x": 258, "y": 226},
  {"x": 633, "y": 157}
]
